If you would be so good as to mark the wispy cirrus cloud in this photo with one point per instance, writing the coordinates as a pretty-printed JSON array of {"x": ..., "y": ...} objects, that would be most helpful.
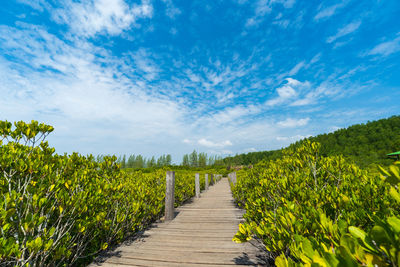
[
  {"x": 211, "y": 144},
  {"x": 264, "y": 7},
  {"x": 77, "y": 85},
  {"x": 327, "y": 12},
  {"x": 117, "y": 77},
  {"x": 289, "y": 122},
  {"x": 171, "y": 10},
  {"x": 386, "y": 48},
  {"x": 110, "y": 17},
  {"x": 345, "y": 30}
]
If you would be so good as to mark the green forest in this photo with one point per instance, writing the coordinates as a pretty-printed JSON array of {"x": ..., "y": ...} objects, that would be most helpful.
[{"x": 365, "y": 144}]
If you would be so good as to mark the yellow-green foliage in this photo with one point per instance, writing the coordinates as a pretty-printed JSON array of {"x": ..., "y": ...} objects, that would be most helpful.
[
  {"x": 63, "y": 209},
  {"x": 306, "y": 196},
  {"x": 380, "y": 246}
]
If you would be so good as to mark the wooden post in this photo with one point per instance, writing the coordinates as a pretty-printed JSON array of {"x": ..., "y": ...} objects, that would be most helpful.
[
  {"x": 206, "y": 178},
  {"x": 212, "y": 181},
  {"x": 170, "y": 196},
  {"x": 197, "y": 185},
  {"x": 234, "y": 178}
]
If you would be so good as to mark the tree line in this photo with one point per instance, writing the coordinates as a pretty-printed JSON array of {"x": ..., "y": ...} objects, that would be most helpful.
[
  {"x": 138, "y": 161},
  {"x": 366, "y": 144},
  {"x": 193, "y": 159},
  {"x": 201, "y": 159}
]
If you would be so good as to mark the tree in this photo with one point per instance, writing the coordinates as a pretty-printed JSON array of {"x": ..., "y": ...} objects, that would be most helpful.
[
  {"x": 193, "y": 159},
  {"x": 123, "y": 162},
  {"x": 131, "y": 161},
  {"x": 168, "y": 160},
  {"x": 185, "y": 160},
  {"x": 151, "y": 162},
  {"x": 202, "y": 160}
]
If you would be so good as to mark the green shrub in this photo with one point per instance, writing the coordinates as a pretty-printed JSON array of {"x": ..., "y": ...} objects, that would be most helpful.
[
  {"x": 64, "y": 209},
  {"x": 303, "y": 195},
  {"x": 380, "y": 246}
]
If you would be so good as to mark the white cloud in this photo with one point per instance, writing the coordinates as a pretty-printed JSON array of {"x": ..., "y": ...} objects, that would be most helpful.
[
  {"x": 288, "y": 91},
  {"x": 347, "y": 29},
  {"x": 144, "y": 63},
  {"x": 186, "y": 141},
  {"x": 171, "y": 10},
  {"x": 297, "y": 68},
  {"x": 264, "y": 7},
  {"x": 290, "y": 123},
  {"x": 39, "y": 5},
  {"x": 230, "y": 114},
  {"x": 85, "y": 97},
  {"x": 102, "y": 16},
  {"x": 327, "y": 12},
  {"x": 208, "y": 143},
  {"x": 386, "y": 48},
  {"x": 224, "y": 97}
]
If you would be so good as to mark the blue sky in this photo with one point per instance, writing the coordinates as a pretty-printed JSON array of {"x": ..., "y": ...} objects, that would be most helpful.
[{"x": 223, "y": 77}]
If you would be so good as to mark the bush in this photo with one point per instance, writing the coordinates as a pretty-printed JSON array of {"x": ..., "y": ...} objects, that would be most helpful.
[
  {"x": 303, "y": 195},
  {"x": 64, "y": 209}
]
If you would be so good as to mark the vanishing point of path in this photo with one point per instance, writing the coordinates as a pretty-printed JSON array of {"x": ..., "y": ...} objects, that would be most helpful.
[{"x": 200, "y": 235}]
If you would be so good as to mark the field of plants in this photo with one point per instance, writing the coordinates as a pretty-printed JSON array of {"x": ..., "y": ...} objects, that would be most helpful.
[
  {"x": 62, "y": 210},
  {"x": 310, "y": 210}
]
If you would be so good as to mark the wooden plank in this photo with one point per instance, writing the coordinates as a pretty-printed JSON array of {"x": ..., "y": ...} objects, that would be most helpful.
[
  {"x": 200, "y": 235},
  {"x": 193, "y": 259}
]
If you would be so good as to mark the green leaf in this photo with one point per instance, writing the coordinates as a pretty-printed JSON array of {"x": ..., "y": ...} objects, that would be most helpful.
[
  {"x": 357, "y": 232},
  {"x": 379, "y": 235},
  {"x": 281, "y": 261},
  {"x": 38, "y": 242},
  {"x": 394, "y": 193},
  {"x": 395, "y": 171},
  {"x": 48, "y": 244},
  {"x": 394, "y": 222},
  {"x": 331, "y": 259}
]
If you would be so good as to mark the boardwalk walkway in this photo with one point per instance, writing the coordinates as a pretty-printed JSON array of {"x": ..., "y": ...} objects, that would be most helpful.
[{"x": 200, "y": 235}]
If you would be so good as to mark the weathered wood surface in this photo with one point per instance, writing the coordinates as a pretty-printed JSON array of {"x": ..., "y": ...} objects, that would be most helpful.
[
  {"x": 170, "y": 196},
  {"x": 197, "y": 185},
  {"x": 200, "y": 235}
]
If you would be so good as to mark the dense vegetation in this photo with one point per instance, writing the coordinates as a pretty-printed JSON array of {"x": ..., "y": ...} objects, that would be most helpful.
[
  {"x": 58, "y": 210},
  {"x": 312, "y": 210},
  {"x": 201, "y": 160},
  {"x": 192, "y": 160},
  {"x": 365, "y": 144}
]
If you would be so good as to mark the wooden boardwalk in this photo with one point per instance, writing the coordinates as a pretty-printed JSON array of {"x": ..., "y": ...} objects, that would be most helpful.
[{"x": 200, "y": 235}]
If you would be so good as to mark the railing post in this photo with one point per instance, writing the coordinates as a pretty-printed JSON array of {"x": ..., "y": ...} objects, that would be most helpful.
[
  {"x": 234, "y": 178},
  {"x": 197, "y": 185},
  {"x": 206, "y": 178},
  {"x": 212, "y": 177},
  {"x": 170, "y": 196}
]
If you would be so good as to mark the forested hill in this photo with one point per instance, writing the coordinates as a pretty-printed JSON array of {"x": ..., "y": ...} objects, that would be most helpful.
[{"x": 364, "y": 143}]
